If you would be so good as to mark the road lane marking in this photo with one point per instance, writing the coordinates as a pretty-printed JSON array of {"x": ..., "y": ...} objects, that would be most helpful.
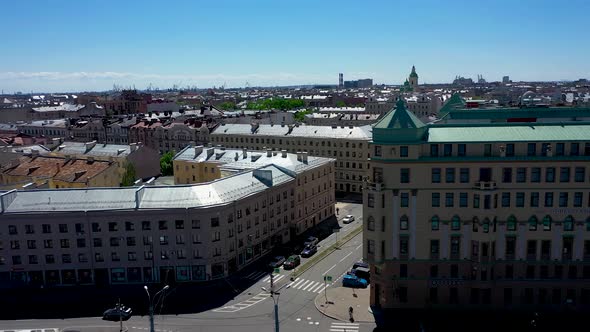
[
  {"x": 343, "y": 258},
  {"x": 360, "y": 245},
  {"x": 333, "y": 266}
]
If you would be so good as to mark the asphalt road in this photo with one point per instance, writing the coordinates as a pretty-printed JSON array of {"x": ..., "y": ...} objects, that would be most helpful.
[{"x": 252, "y": 309}]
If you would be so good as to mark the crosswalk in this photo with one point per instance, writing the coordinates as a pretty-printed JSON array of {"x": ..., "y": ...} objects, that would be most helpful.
[
  {"x": 244, "y": 304},
  {"x": 276, "y": 278},
  {"x": 344, "y": 327},
  {"x": 307, "y": 285}
]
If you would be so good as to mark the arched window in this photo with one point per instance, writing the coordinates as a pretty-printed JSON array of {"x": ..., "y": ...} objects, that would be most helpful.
[
  {"x": 547, "y": 223},
  {"x": 511, "y": 224},
  {"x": 533, "y": 223},
  {"x": 568, "y": 224},
  {"x": 486, "y": 225},
  {"x": 371, "y": 224},
  {"x": 403, "y": 223},
  {"x": 455, "y": 223},
  {"x": 435, "y": 223},
  {"x": 475, "y": 224}
]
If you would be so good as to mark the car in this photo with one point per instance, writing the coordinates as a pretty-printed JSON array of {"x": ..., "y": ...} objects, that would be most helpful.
[
  {"x": 362, "y": 272},
  {"x": 360, "y": 264},
  {"x": 309, "y": 251},
  {"x": 117, "y": 313},
  {"x": 277, "y": 262},
  {"x": 310, "y": 241},
  {"x": 292, "y": 262},
  {"x": 352, "y": 281},
  {"x": 348, "y": 219}
]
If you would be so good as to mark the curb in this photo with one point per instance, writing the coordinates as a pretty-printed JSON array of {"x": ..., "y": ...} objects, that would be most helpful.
[
  {"x": 331, "y": 249},
  {"x": 323, "y": 312}
]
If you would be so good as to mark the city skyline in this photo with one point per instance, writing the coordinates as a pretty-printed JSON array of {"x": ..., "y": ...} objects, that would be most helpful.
[{"x": 85, "y": 47}]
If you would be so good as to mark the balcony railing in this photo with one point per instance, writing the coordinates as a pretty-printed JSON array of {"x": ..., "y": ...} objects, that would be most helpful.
[{"x": 485, "y": 185}]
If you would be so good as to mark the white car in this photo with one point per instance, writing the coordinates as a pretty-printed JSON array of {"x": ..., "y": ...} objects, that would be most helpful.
[{"x": 348, "y": 219}]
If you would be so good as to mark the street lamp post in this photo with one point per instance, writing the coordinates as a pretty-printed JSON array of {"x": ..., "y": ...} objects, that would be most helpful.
[
  {"x": 274, "y": 292},
  {"x": 151, "y": 301}
]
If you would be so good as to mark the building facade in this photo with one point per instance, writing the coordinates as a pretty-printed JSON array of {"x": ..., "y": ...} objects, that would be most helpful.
[
  {"x": 490, "y": 215},
  {"x": 348, "y": 145},
  {"x": 158, "y": 234}
]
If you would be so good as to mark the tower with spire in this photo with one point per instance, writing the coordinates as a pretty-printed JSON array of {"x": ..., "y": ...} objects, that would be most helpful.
[{"x": 413, "y": 79}]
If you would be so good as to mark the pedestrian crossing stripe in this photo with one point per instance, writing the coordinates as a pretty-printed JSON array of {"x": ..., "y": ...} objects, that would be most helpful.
[
  {"x": 275, "y": 279},
  {"x": 344, "y": 327},
  {"x": 244, "y": 304},
  {"x": 308, "y": 285},
  {"x": 256, "y": 275}
]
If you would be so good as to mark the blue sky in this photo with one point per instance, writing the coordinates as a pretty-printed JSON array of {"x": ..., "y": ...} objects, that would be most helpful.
[{"x": 90, "y": 45}]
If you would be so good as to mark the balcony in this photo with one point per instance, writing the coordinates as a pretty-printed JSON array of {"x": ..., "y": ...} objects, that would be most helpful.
[{"x": 485, "y": 185}]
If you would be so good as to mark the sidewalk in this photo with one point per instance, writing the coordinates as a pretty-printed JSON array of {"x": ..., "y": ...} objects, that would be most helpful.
[{"x": 339, "y": 301}]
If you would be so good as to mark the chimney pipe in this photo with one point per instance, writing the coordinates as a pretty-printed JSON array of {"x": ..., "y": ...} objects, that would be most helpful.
[{"x": 284, "y": 153}]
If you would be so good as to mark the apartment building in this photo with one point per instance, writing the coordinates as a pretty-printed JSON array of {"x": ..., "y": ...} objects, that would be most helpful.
[
  {"x": 493, "y": 214},
  {"x": 347, "y": 144},
  {"x": 158, "y": 234},
  {"x": 171, "y": 136}
]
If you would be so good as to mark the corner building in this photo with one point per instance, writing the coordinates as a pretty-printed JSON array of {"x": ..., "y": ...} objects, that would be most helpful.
[{"x": 492, "y": 215}]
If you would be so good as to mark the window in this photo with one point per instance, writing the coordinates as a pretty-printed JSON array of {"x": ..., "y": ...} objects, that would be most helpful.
[
  {"x": 434, "y": 223},
  {"x": 47, "y": 244},
  {"x": 455, "y": 223},
  {"x": 435, "y": 200},
  {"x": 533, "y": 223},
  {"x": 46, "y": 228},
  {"x": 574, "y": 149},
  {"x": 162, "y": 225},
  {"x": 12, "y": 230},
  {"x": 434, "y": 150},
  {"x": 580, "y": 174},
  {"x": 507, "y": 175},
  {"x": 563, "y": 198},
  {"x": 404, "y": 199},
  {"x": 464, "y": 175},
  {"x": 455, "y": 247},
  {"x": 81, "y": 243},
  {"x": 447, "y": 150},
  {"x": 548, "y": 199},
  {"x": 371, "y": 224},
  {"x": 560, "y": 149},
  {"x": 113, "y": 227},
  {"x": 164, "y": 240},
  {"x": 403, "y": 223},
  {"x": 506, "y": 199},
  {"x": 550, "y": 174},
  {"x": 371, "y": 246},
  {"x": 534, "y": 199},
  {"x": 146, "y": 226},
  {"x": 450, "y": 175},
  {"x": 486, "y": 225},
  {"x": 435, "y": 177},
  {"x": 114, "y": 241},
  {"x": 564, "y": 174},
  {"x": 519, "y": 199},
  {"x": 545, "y": 148},
  {"x": 510, "y": 150},
  {"x": 404, "y": 175},
  {"x": 179, "y": 224},
  {"x": 511, "y": 224},
  {"x": 521, "y": 174},
  {"x": 403, "y": 245},
  {"x": 403, "y": 151},
  {"x": 461, "y": 150},
  {"x": 578, "y": 197},
  {"x": 547, "y": 223},
  {"x": 476, "y": 201},
  {"x": 215, "y": 222},
  {"x": 536, "y": 174},
  {"x": 129, "y": 226},
  {"x": 434, "y": 248},
  {"x": 64, "y": 243},
  {"x": 568, "y": 224},
  {"x": 449, "y": 199},
  {"x": 487, "y": 150},
  {"x": 196, "y": 224},
  {"x": 63, "y": 228},
  {"x": 463, "y": 199},
  {"x": 377, "y": 151},
  {"x": 531, "y": 149}
]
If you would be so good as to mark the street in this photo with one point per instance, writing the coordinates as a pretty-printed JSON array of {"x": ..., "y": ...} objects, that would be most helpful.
[{"x": 251, "y": 309}]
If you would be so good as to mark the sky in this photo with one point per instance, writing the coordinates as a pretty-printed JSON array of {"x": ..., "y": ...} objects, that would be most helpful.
[{"x": 90, "y": 45}]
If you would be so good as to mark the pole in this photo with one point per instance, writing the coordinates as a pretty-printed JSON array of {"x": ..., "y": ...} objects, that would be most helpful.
[
  {"x": 275, "y": 300},
  {"x": 325, "y": 290},
  {"x": 152, "y": 328},
  {"x": 120, "y": 316},
  {"x": 276, "y": 316}
]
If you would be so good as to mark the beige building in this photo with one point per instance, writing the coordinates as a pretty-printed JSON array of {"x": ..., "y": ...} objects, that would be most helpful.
[
  {"x": 347, "y": 144},
  {"x": 168, "y": 234},
  {"x": 492, "y": 215}
]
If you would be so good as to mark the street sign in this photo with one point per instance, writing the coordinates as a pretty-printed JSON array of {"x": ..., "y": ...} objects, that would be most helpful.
[
  {"x": 328, "y": 278},
  {"x": 277, "y": 270}
]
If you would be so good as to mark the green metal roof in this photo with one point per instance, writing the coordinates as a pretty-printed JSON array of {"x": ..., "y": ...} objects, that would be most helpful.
[
  {"x": 514, "y": 112},
  {"x": 399, "y": 125},
  {"x": 413, "y": 73},
  {"x": 538, "y": 132},
  {"x": 451, "y": 104}
]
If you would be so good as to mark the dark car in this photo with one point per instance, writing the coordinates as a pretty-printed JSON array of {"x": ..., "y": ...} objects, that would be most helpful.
[
  {"x": 309, "y": 251},
  {"x": 360, "y": 264},
  {"x": 117, "y": 313},
  {"x": 362, "y": 272},
  {"x": 311, "y": 241},
  {"x": 292, "y": 262},
  {"x": 277, "y": 262}
]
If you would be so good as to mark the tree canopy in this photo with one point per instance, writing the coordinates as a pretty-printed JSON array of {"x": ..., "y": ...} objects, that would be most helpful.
[
  {"x": 166, "y": 167},
  {"x": 129, "y": 176},
  {"x": 275, "y": 103}
]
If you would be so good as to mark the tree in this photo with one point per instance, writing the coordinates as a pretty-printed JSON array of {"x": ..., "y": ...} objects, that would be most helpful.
[
  {"x": 129, "y": 176},
  {"x": 340, "y": 103},
  {"x": 166, "y": 163},
  {"x": 227, "y": 106},
  {"x": 300, "y": 116}
]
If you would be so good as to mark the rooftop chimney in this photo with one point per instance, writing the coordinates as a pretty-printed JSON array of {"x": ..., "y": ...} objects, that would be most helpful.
[
  {"x": 198, "y": 150},
  {"x": 269, "y": 152},
  {"x": 244, "y": 153},
  {"x": 298, "y": 156},
  {"x": 284, "y": 153},
  {"x": 90, "y": 145},
  {"x": 304, "y": 157},
  {"x": 34, "y": 153},
  {"x": 133, "y": 146},
  {"x": 210, "y": 152}
]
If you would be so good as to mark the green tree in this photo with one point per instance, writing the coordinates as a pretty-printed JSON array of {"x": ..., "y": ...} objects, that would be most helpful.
[
  {"x": 129, "y": 176},
  {"x": 300, "y": 116},
  {"x": 227, "y": 106},
  {"x": 166, "y": 163},
  {"x": 340, "y": 103},
  {"x": 275, "y": 103}
]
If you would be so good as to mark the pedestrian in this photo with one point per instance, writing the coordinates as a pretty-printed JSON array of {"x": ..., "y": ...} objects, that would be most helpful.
[{"x": 337, "y": 210}]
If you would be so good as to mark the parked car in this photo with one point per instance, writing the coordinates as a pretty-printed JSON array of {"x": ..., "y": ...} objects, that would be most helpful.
[
  {"x": 309, "y": 251},
  {"x": 292, "y": 262},
  {"x": 117, "y": 313},
  {"x": 350, "y": 280},
  {"x": 277, "y": 262},
  {"x": 311, "y": 241},
  {"x": 360, "y": 264},
  {"x": 348, "y": 219},
  {"x": 362, "y": 272}
]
